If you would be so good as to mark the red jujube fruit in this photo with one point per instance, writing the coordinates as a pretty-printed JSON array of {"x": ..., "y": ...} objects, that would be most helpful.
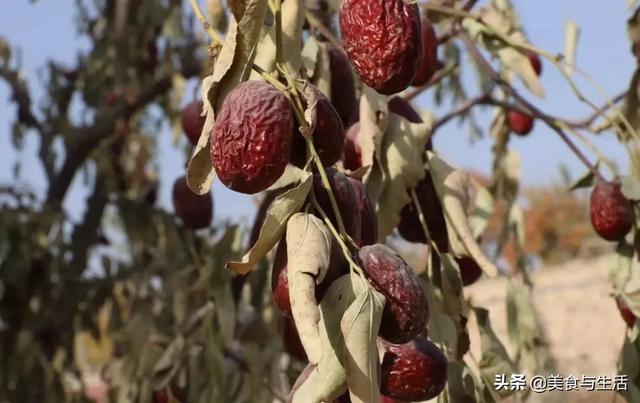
[
  {"x": 252, "y": 137},
  {"x": 611, "y": 212},
  {"x": 383, "y": 41}
]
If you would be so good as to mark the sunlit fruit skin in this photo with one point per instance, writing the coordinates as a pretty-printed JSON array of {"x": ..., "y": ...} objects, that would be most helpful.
[
  {"x": 520, "y": 123},
  {"x": 626, "y": 313},
  {"x": 328, "y": 136},
  {"x": 611, "y": 212},
  {"x": 192, "y": 122},
  {"x": 195, "y": 211},
  {"x": 252, "y": 137},
  {"x": 383, "y": 41},
  {"x": 429, "y": 63},
  {"x": 291, "y": 340},
  {"x": 343, "y": 89},
  {"x": 352, "y": 154},
  {"x": 280, "y": 282},
  {"x": 406, "y": 309},
  {"x": 413, "y": 371},
  {"x": 410, "y": 227},
  {"x": 345, "y": 199},
  {"x": 534, "y": 59},
  {"x": 470, "y": 272},
  {"x": 368, "y": 218}
]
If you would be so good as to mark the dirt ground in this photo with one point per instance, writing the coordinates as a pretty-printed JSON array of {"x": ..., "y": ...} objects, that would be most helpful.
[{"x": 581, "y": 321}]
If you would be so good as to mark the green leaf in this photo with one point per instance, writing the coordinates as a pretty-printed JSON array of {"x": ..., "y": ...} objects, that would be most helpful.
[
  {"x": 401, "y": 168},
  {"x": 328, "y": 379},
  {"x": 322, "y": 75},
  {"x": 360, "y": 325},
  {"x": 169, "y": 363},
  {"x": 571, "y": 36},
  {"x": 309, "y": 253},
  {"x": 310, "y": 56},
  {"x": 585, "y": 181},
  {"x": 442, "y": 330},
  {"x": 292, "y": 22},
  {"x": 273, "y": 227},
  {"x": 494, "y": 359},
  {"x": 200, "y": 172},
  {"x": 629, "y": 363},
  {"x": 461, "y": 383},
  {"x": 515, "y": 61},
  {"x": 620, "y": 274},
  {"x": 630, "y": 187},
  {"x": 374, "y": 118},
  {"x": 452, "y": 189},
  {"x": 232, "y": 67},
  {"x": 482, "y": 211},
  {"x": 516, "y": 221}
]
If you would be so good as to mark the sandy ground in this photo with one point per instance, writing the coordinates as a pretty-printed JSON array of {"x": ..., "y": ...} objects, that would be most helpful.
[{"x": 580, "y": 318}]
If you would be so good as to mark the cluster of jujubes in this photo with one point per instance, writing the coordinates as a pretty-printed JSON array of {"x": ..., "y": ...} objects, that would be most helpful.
[{"x": 255, "y": 137}]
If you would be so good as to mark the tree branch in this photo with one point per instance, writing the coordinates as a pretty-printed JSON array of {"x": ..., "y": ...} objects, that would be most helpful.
[
  {"x": 484, "y": 65},
  {"x": 90, "y": 136},
  {"x": 461, "y": 109},
  {"x": 21, "y": 96}
]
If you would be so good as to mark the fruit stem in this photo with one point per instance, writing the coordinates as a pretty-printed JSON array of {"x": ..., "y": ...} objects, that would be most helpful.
[
  {"x": 213, "y": 34},
  {"x": 299, "y": 112},
  {"x": 336, "y": 235},
  {"x": 276, "y": 9},
  {"x": 271, "y": 79},
  {"x": 327, "y": 186}
]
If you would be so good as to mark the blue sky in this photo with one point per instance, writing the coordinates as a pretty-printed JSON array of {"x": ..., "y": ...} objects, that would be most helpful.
[{"x": 46, "y": 30}]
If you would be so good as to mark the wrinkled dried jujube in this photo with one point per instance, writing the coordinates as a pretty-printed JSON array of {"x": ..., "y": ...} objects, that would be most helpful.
[
  {"x": 192, "y": 121},
  {"x": 406, "y": 309},
  {"x": 470, "y": 271},
  {"x": 343, "y": 91},
  {"x": 368, "y": 218},
  {"x": 195, "y": 211},
  {"x": 611, "y": 212},
  {"x": 414, "y": 371},
  {"x": 252, "y": 137},
  {"x": 383, "y": 41},
  {"x": 345, "y": 199},
  {"x": 410, "y": 227},
  {"x": 429, "y": 63},
  {"x": 328, "y": 136},
  {"x": 352, "y": 154}
]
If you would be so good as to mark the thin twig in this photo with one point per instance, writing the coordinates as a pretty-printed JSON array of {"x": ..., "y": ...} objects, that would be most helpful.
[
  {"x": 213, "y": 34},
  {"x": 461, "y": 109},
  {"x": 506, "y": 87},
  {"x": 439, "y": 76}
]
